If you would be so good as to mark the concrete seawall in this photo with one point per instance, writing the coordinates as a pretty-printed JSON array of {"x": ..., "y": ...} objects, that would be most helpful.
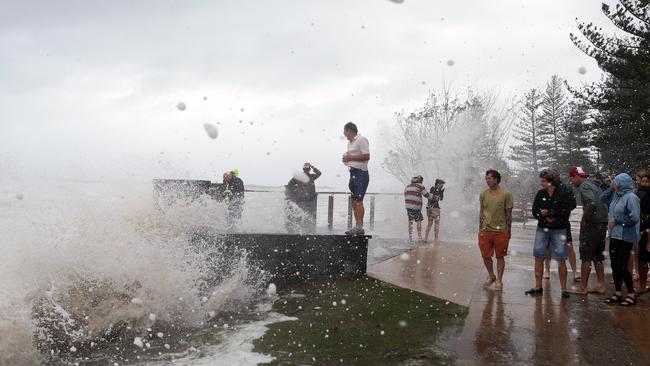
[{"x": 292, "y": 259}]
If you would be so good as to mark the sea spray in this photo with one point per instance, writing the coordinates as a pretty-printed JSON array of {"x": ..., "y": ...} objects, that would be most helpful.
[{"x": 75, "y": 258}]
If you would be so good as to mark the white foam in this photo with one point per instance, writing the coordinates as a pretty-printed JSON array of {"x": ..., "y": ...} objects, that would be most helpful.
[
  {"x": 237, "y": 348},
  {"x": 73, "y": 243}
]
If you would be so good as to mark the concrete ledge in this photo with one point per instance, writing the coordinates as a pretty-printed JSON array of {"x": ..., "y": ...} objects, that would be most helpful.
[{"x": 298, "y": 258}]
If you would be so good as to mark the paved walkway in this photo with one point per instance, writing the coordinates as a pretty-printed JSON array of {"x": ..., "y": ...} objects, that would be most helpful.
[{"x": 511, "y": 328}]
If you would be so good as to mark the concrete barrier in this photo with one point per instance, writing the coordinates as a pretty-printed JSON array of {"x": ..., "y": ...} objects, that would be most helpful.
[{"x": 292, "y": 259}]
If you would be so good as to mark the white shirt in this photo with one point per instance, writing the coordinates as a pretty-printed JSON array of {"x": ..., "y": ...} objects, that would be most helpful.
[{"x": 358, "y": 146}]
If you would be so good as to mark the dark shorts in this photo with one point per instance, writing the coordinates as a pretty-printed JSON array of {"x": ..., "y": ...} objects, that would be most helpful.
[
  {"x": 569, "y": 237},
  {"x": 414, "y": 215},
  {"x": 592, "y": 242},
  {"x": 359, "y": 180},
  {"x": 644, "y": 255}
]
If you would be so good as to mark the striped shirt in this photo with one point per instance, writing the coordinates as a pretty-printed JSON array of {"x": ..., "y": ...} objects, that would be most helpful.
[{"x": 413, "y": 196}]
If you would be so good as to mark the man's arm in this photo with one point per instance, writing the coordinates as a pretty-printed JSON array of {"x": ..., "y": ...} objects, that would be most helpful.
[
  {"x": 364, "y": 147},
  {"x": 588, "y": 204},
  {"x": 508, "y": 206},
  {"x": 480, "y": 215},
  {"x": 509, "y": 219},
  {"x": 537, "y": 212},
  {"x": 316, "y": 172},
  {"x": 361, "y": 157}
]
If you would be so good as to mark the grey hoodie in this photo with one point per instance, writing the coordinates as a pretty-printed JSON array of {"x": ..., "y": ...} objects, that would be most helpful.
[{"x": 624, "y": 208}]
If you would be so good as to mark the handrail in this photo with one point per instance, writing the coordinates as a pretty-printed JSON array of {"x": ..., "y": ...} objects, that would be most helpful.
[{"x": 330, "y": 192}]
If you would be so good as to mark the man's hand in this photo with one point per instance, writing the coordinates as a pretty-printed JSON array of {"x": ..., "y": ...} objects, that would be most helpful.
[
  {"x": 543, "y": 212},
  {"x": 550, "y": 220},
  {"x": 611, "y": 224},
  {"x": 345, "y": 158}
]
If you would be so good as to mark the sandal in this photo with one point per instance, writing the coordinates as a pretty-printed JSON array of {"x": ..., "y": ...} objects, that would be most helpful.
[
  {"x": 534, "y": 291},
  {"x": 565, "y": 294},
  {"x": 629, "y": 301},
  {"x": 614, "y": 299}
]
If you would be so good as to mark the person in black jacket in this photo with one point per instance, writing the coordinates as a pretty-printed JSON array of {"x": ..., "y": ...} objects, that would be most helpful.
[
  {"x": 233, "y": 191},
  {"x": 644, "y": 242},
  {"x": 552, "y": 207}
]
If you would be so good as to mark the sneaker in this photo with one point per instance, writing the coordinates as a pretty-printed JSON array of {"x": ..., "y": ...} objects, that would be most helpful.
[{"x": 355, "y": 231}]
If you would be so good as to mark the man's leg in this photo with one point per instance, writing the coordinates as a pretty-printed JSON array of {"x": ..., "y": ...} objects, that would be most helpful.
[
  {"x": 486, "y": 245},
  {"x": 419, "y": 228},
  {"x": 561, "y": 268},
  {"x": 359, "y": 211},
  {"x": 643, "y": 275},
  {"x": 436, "y": 231},
  {"x": 572, "y": 260},
  {"x": 547, "y": 263},
  {"x": 489, "y": 265},
  {"x": 600, "y": 277},
  {"x": 429, "y": 225},
  {"x": 585, "y": 271},
  {"x": 539, "y": 272},
  {"x": 501, "y": 266},
  {"x": 410, "y": 229}
]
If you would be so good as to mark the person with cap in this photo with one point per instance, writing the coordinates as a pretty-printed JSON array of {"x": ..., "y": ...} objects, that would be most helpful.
[
  {"x": 623, "y": 223},
  {"x": 593, "y": 231},
  {"x": 495, "y": 224},
  {"x": 233, "y": 191},
  {"x": 436, "y": 194},
  {"x": 356, "y": 159},
  {"x": 552, "y": 206},
  {"x": 303, "y": 184},
  {"x": 413, "y": 199}
]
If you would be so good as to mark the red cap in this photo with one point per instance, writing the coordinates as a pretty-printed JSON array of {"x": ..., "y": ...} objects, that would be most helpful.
[{"x": 577, "y": 171}]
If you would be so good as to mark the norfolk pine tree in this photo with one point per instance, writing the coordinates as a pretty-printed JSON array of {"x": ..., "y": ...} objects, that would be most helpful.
[{"x": 621, "y": 125}]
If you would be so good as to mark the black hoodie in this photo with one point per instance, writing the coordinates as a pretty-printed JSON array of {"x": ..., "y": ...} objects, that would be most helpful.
[{"x": 559, "y": 205}]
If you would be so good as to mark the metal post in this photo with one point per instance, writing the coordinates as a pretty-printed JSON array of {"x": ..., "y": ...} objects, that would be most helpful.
[
  {"x": 330, "y": 212},
  {"x": 372, "y": 212},
  {"x": 349, "y": 212}
]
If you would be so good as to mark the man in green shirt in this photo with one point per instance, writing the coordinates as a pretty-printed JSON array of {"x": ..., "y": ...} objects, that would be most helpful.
[{"x": 495, "y": 224}]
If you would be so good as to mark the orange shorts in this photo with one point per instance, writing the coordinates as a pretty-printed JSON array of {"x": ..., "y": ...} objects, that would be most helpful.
[{"x": 493, "y": 243}]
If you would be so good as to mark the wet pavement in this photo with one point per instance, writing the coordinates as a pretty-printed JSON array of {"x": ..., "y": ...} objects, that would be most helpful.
[{"x": 508, "y": 327}]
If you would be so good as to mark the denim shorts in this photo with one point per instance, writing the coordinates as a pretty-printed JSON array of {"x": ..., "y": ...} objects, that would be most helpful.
[
  {"x": 556, "y": 238},
  {"x": 358, "y": 185}
]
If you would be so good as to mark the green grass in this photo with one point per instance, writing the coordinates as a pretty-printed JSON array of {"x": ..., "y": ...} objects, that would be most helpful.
[{"x": 372, "y": 323}]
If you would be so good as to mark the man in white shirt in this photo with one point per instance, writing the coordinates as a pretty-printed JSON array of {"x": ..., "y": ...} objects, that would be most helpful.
[{"x": 356, "y": 159}]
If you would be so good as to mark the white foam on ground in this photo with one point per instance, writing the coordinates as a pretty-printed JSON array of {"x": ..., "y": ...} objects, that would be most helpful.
[{"x": 237, "y": 348}]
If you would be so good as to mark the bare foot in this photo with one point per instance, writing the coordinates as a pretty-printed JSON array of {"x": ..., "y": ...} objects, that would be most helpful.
[
  {"x": 578, "y": 290},
  {"x": 597, "y": 290}
]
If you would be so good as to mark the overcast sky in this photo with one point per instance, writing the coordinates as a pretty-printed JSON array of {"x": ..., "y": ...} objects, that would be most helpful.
[{"x": 89, "y": 89}]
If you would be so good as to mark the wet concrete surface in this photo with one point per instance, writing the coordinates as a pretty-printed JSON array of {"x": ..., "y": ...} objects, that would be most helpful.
[{"x": 509, "y": 328}]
